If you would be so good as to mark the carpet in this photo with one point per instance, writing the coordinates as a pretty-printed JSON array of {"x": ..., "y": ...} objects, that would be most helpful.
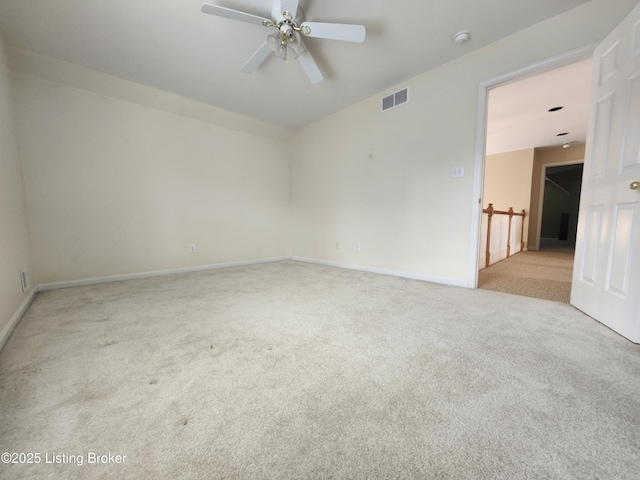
[
  {"x": 542, "y": 274},
  {"x": 291, "y": 370}
]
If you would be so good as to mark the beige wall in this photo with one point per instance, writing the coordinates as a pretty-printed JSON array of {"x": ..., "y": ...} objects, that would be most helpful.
[
  {"x": 384, "y": 179},
  {"x": 542, "y": 158},
  {"x": 507, "y": 182},
  {"x": 116, "y": 188},
  {"x": 14, "y": 251}
]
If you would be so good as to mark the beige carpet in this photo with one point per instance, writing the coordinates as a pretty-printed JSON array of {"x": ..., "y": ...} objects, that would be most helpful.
[
  {"x": 542, "y": 274},
  {"x": 297, "y": 371}
]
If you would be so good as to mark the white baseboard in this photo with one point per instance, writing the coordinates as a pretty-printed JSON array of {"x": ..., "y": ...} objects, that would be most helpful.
[
  {"x": 394, "y": 273},
  {"x": 8, "y": 329},
  {"x": 132, "y": 276}
]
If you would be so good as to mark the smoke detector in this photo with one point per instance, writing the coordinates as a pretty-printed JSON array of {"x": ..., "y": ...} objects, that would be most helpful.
[{"x": 461, "y": 37}]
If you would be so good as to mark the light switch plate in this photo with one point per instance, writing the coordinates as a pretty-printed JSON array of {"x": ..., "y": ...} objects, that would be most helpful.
[{"x": 457, "y": 172}]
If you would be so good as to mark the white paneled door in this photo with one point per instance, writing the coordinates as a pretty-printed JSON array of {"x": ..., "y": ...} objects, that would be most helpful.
[{"x": 606, "y": 275}]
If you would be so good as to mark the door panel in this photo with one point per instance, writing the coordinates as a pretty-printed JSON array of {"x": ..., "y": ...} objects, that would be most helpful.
[
  {"x": 589, "y": 262},
  {"x": 606, "y": 283},
  {"x": 636, "y": 40},
  {"x": 618, "y": 274},
  {"x": 631, "y": 155},
  {"x": 608, "y": 63},
  {"x": 601, "y": 141}
]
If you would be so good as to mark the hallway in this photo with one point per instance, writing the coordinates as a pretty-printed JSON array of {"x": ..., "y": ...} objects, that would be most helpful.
[{"x": 542, "y": 274}]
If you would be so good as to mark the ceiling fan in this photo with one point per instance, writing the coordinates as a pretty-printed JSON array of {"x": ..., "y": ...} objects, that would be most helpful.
[{"x": 287, "y": 17}]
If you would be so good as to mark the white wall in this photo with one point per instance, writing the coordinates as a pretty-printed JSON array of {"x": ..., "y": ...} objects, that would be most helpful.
[
  {"x": 120, "y": 178},
  {"x": 116, "y": 188},
  {"x": 507, "y": 182},
  {"x": 384, "y": 179},
  {"x": 14, "y": 241}
]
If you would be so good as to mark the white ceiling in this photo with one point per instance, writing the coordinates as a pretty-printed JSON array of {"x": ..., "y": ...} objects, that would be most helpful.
[
  {"x": 518, "y": 114},
  {"x": 172, "y": 46}
]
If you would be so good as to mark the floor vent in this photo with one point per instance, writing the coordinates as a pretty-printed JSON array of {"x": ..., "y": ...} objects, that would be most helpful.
[{"x": 395, "y": 99}]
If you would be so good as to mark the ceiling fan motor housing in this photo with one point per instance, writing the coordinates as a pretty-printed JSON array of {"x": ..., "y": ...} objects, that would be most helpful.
[{"x": 287, "y": 31}]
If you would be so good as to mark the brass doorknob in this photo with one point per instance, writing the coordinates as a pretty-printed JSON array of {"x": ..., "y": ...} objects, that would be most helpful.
[{"x": 635, "y": 186}]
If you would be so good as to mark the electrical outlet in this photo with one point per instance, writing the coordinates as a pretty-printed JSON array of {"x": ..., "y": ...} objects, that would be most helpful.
[
  {"x": 457, "y": 172},
  {"x": 357, "y": 246},
  {"x": 192, "y": 248}
]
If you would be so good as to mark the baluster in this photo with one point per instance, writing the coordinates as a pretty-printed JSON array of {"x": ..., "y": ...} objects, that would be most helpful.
[
  {"x": 509, "y": 232},
  {"x": 522, "y": 233},
  {"x": 489, "y": 212}
]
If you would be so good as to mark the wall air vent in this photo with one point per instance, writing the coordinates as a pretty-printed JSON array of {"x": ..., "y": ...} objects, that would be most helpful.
[{"x": 395, "y": 99}]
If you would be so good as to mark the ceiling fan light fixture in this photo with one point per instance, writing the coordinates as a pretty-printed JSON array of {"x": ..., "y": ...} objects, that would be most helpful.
[
  {"x": 295, "y": 45},
  {"x": 278, "y": 45}
]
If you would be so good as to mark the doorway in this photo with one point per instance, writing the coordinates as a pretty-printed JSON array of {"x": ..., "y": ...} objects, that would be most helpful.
[
  {"x": 560, "y": 206},
  {"x": 548, "y": 129}
]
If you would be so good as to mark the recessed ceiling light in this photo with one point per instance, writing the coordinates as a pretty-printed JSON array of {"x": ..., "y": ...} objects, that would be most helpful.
[
  {"x": 562, "y": 134},
  {"x": 555, "y": 109}
]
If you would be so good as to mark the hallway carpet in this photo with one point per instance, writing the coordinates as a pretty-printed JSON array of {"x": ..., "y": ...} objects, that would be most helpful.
[{"x": 544, "y": 274}]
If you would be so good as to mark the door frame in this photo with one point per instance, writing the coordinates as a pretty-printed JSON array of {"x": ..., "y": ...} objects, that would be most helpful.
[{"x": 561, "y": 60}]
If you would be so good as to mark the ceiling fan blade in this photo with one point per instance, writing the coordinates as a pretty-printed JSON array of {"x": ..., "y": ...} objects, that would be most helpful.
[
  {"x": 310, "y": 67},
  {"x": 289, "y": 6},
  {"x": 257, "y": 58},
  {"x": 232, "y": 14},
  {"x": 334, "y": 31}
]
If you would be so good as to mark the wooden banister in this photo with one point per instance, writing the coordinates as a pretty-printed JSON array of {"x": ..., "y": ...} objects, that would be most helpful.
[{"x": 490, "y": 211}]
